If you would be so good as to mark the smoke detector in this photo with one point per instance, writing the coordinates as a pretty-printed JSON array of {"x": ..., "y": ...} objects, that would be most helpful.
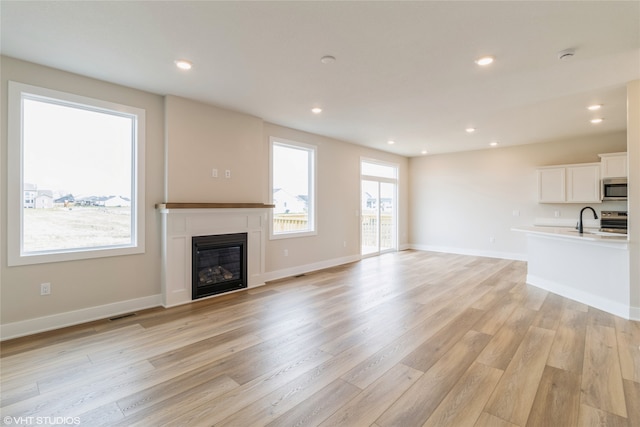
[{"x": 566, "y": 54}]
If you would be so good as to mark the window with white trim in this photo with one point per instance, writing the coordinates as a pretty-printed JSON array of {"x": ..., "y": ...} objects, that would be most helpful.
[
  {"x": 293, "y": 166},
  {"x": 76, "y": 177}
]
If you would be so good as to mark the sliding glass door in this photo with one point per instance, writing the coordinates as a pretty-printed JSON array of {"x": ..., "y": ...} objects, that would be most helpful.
[{"x": 378, "y": 231}]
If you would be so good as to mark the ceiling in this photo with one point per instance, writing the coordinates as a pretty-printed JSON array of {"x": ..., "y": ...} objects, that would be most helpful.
[{"x": 404, "y": 71}]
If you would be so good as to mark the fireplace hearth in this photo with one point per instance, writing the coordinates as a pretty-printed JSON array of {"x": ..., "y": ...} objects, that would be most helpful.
[{"x": 219, "y": 264}]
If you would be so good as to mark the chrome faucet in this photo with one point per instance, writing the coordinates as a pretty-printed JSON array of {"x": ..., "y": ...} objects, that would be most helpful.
[{"x": 595, "y": 216}]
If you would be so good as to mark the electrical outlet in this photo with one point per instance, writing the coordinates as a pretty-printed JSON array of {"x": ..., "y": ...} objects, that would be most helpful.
[
  {"x": 492, "y": 239},
  {"x": 214, "y": 173},
  {"x": 45, "y": 288},
  {"x": 286, "y": 252}
]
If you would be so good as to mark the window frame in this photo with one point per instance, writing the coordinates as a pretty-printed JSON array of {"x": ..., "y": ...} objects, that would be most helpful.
[
  {"x": 383, "y": 179},
  {"x": 312, "y": 176},
  {"x": 15, "y": 254},
  {"x": 382, "y": 163}
]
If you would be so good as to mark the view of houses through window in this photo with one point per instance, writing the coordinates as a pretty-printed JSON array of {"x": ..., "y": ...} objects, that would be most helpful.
[
  {"x": 77, "y": 176},
  {"x": 292, "y": 174}
]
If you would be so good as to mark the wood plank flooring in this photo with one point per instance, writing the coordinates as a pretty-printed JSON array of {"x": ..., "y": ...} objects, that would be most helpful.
[{"x": 405, "y": 339}]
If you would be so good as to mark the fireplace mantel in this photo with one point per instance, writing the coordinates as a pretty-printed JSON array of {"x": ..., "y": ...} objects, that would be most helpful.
[
  {"x": 182, "y": 221},
  {"x": 199, "y": 205}
]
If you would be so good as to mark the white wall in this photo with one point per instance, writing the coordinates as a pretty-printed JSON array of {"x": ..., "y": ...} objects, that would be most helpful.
[
  {"x": 338, "y": 201},
  {"x": 185, "y": 140},
  {"x": 78, "y": 285},
  {"x": 459, "y": 201},
  {"x": 201, "y": 137},
  {"x": 633, "y": 147}
]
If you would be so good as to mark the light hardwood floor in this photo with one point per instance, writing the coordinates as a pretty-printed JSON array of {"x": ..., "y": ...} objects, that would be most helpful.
[{"x": 405, "y": 339}]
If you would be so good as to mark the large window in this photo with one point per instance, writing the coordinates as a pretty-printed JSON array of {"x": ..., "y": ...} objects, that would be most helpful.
[
  {"x": 293, "y": 188},
  {"x": 76, "y": 186}
]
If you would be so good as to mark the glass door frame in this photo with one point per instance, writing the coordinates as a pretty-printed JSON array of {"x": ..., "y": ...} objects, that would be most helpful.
[{"x": 394, "y": 212}]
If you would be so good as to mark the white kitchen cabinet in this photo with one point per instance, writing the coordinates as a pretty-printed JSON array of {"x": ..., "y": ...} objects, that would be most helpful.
[
  {"x": 578, "y": 183},
  {"x": 613, "y": 165},
  {"x": 551, "y": 185},
  {"x": 583, "y": 183}
]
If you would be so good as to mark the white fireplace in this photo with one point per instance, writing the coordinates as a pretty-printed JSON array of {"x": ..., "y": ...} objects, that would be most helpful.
[{"x": 182, "y": 221}]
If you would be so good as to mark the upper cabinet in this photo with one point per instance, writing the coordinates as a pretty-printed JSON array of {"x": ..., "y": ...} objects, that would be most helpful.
[
  {"x": 613, "y": 165},
  {"x": 583, "y": 183},
  {"x": 578, "y": 183},
  {"x": 551, "y": 185}
]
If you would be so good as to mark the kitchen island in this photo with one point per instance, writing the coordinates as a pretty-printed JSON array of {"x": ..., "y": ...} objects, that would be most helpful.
[{"x": 592, "y": 268}]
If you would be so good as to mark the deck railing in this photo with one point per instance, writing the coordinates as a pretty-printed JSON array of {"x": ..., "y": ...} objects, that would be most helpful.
[
  {"x": 289, "y": 222},
  {"x": 370, "y": 229},
  {"x": 293, "y": 222}
]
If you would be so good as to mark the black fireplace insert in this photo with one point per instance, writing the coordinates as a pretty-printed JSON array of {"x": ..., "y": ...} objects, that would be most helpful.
[{"x": 219, "y": 264}]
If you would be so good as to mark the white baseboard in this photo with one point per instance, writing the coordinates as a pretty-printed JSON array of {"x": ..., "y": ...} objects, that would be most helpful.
[
  {"x": 70, "y": 318},
  {"x": 473, "y": 252},
  {"x": 598, "y": 302},
  {"x": 61, "y": 320},
  {"x": 302, "y": 269}
]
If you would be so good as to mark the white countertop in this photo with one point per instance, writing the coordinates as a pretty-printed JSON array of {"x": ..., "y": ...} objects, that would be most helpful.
[
  {"x": 593, "y": 269},
  {"x": 589, "y": 235}
]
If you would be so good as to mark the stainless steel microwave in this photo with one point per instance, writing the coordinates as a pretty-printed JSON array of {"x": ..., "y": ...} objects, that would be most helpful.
[{"x": 614, "y": 189}]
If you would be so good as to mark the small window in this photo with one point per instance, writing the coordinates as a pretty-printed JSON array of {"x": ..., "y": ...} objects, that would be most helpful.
[
  {"x": 379, "y": 169},
  {"x": 293, "y": 189},
  {"x": 76, "y": 177}
]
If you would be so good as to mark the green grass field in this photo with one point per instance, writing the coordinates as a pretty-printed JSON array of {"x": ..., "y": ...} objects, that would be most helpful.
[{"x": 77, "y": 227}]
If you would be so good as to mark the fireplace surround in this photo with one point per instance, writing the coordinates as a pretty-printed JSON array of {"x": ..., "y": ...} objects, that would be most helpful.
[{"x": 181, "y": 222}]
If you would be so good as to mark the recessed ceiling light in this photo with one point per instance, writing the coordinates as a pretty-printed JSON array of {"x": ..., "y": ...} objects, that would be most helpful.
[
  {"x": 596, "y": 121},
  {"x": 424, "y": 152},
  {"x": 493, "y": 143},
  {"x": 183, "y": 64},
  {"x": 484, "y": 60},
  {"x": 328, "y": 59},
  {"x": 470, "y": 130},
  {"x": 594, "y": 107},
  {"x": 390, "y": 142},
  {"x": 316, "y": 110}
]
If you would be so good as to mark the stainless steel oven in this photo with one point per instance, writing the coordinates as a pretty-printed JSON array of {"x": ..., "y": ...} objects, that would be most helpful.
[{"x": 614, "y": 221}]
